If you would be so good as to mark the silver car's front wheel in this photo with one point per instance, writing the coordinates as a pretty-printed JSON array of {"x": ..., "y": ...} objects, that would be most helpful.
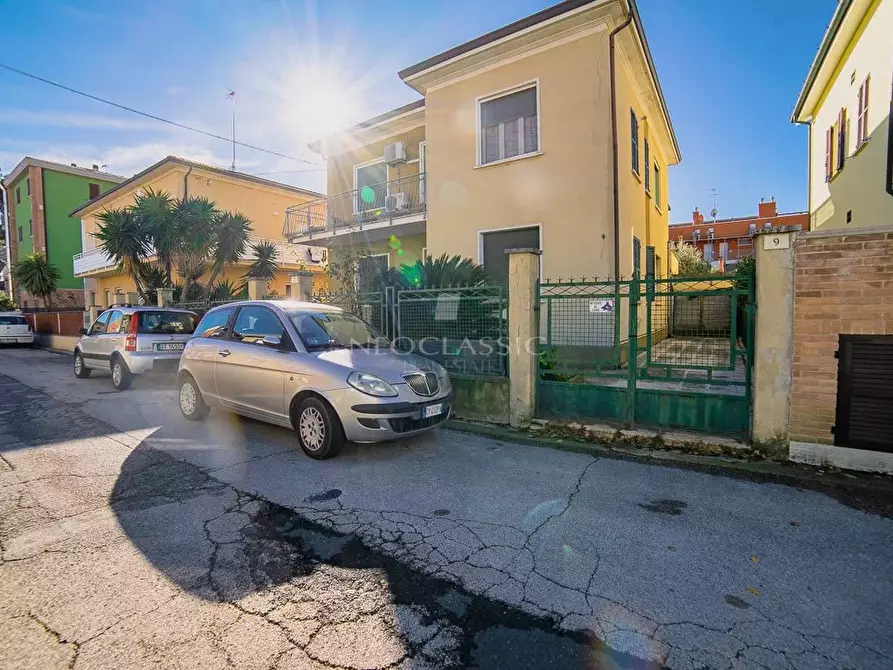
[
  {"x": 192, "y": 405},
  {"x": 318, "y": 428}
]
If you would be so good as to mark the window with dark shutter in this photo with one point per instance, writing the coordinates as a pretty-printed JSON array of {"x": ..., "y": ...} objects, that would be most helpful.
[
  {"x": 829, "y": 153},
  {"x": 841, "y": 139},
  {"x": 93, "y": 191},
  {"x": 864, "y": 417},
  {"x": 656, "y": 185},
  {"x": 647, "y": 168},
  {"x": 634, "y": 140},
  {"x": 371, "y": 272},
  {"x": 649, "y": 262},
  {"x": 494, "y": 245},
  {"x": 18, "y": 195},
  {"x": 509, "y": 126},
  {"x": 21, "y": 237},
  {"x": 28, "y": 186},
  {"x": 637, "y": 255},
  {"x": 862, "y": 116}
]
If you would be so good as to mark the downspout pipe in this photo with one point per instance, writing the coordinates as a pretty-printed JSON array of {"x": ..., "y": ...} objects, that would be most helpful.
[
  {"x": 5, "y": 194},
  {"x": 614, "y": 143},
  {"x": 186, "y": 182}
]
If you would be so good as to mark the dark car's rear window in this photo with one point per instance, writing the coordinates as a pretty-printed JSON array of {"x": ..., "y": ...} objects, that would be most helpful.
[
  {"x": 13, "y": 321},
  {"x": 166, "y": 323}
]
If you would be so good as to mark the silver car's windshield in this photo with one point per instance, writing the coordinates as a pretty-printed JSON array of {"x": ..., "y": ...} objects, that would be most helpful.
[{"x": 323, "y": 329}]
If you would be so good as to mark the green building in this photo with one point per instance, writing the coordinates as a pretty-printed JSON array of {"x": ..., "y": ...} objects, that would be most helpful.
[{"x": 40, "y": 194}]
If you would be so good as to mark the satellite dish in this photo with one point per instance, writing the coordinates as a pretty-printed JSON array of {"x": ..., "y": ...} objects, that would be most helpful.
[{"x": 713, "y": 212}]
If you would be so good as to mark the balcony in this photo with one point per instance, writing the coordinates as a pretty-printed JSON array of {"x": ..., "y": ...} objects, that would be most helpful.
[
  {"x": 372, "y": 210},
  {"x": 94, "y": 261}
]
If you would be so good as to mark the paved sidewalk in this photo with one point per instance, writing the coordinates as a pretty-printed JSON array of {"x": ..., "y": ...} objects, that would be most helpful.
[{"x": 681, "y": 568}]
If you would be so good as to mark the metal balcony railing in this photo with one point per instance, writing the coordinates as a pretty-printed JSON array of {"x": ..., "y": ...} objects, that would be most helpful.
[{"x": 369, "y": 204}]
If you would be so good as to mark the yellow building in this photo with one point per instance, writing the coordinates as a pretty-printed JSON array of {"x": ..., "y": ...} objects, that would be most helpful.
[
  {"x": 264, "y": 202},
  {"x": 846, "y": 102},
  {"x": 513, "y": 145}
]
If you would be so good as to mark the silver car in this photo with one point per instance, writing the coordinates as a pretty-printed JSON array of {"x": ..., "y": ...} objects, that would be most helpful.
[
  {"x": 128, "y": 341},
  {"x": 317, "y": 369}
]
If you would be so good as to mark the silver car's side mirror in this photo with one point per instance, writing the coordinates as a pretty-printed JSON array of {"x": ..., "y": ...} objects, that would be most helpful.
[{"x": 272, "y": 341}]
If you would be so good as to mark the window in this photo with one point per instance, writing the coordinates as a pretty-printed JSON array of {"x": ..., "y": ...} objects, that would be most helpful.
[
  {"x": 213, "y": 324},
  {"x": 841, "y": 139},
  {"x": 509, "y": 126},
  {"x": 18, "y": 195},
  {"x": 829, "y": 153},
  {"x": 165, "y": 323},
  {"x": 93, "y": 191},
  {"x": 28, "y": 186},
  {"x": 493, "y": 246},
  {"x": 656, "y": 185},
  {"x": 862, "y": 115},
  {"x": 30, "y": 228},
  {"x": 114, "y": 324},
  {"x": 21, "y": 236},
  {"x": 254, "y": 323},
  {"x": 9, "y": 320},
  {"x": 634, "y": 140},
  {"x": 371, "y": 185},
  {"x": 108, "y": 298},
  {"x": 637, "y": 255},
  {"x": 724, "y": 250},
  {"x": 288, "y": 290},
  {"x": 98, "y": 327},
  {"x": 321, "y": 328},
  {"x": 708, "y": 252},
  {"x": 647, "y": 168}
]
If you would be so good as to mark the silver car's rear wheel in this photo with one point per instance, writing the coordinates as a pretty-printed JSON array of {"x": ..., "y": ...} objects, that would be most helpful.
[
  {"x": 192, "y": 405},
  {"x": 318, "y": 428}
]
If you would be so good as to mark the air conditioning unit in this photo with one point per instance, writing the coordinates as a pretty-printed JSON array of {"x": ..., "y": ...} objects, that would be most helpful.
[
  {"x": 395, "y": 153},
  {"x": 710, "y": 233},
  {"x": 397, "y": 202},
  {"x": 752, "y": 229},
  {"x": 697, "y": 234},
  {"x": 318, "y": 254},
  {"x": 767, "y": 225}
]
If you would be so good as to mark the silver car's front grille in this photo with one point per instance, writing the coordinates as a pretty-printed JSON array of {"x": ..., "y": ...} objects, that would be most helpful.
[{"x": 422, "y": 383}]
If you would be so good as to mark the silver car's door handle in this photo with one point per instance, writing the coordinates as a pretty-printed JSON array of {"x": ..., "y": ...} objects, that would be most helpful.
[{"x": 224, "y": 352}]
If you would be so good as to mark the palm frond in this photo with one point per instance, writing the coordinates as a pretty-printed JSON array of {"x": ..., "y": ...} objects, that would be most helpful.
[{"x": 265, "y": 263}]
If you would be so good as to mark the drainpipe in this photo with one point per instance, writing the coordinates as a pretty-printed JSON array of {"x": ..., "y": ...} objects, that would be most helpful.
[
  {"x": 5, "y": 195},
  {"x": 629, "y": 19},
  {"x": 186, "y": 182}
]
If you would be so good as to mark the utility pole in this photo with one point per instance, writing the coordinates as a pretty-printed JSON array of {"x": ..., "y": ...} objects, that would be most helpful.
[{"x": 232, "y": 96}]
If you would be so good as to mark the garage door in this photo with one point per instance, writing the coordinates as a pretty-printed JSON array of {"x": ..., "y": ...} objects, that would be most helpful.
[{"x": 865, "y": 393}]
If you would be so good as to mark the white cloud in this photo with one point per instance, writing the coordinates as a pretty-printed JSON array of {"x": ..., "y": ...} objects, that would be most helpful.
[{"x": 25, "y": 117}]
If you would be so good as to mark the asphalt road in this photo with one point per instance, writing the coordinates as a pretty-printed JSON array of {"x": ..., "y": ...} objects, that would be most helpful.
[{"x": 131, "y": 537}]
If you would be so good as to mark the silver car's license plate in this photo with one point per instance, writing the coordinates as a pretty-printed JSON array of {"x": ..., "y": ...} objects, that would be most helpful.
[
  {"x": 7, "y": 340},
  {"x": 433, "y": 410},
  {"x": 170, "y": 346}
]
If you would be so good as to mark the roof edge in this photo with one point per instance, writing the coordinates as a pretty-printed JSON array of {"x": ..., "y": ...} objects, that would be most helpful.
[
  {"x": 368, "y": 124},
  {"x": 77, "y": 170}
]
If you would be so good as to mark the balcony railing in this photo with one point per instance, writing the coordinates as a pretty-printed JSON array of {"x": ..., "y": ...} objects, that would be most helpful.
[
  {"x": 96, "y": 259},
  {"x": 355, "y": 209}
]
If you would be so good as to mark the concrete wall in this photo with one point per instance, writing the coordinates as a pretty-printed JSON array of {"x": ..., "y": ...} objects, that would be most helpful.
[
  {"x": 481, "y": 399},
  {"x": 858, "y": 188}
]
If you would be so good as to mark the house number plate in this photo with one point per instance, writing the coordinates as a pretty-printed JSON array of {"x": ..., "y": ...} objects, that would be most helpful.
[{"x": 771, "y": 241}]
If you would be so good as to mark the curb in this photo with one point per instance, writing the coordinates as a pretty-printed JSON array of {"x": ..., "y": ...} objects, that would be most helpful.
[{"x": 762, "y": 471}]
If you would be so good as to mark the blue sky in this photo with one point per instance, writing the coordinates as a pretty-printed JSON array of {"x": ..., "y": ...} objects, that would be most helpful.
[{"x": 730, "y": 71}]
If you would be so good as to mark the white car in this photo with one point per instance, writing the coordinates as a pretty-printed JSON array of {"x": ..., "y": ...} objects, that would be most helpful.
[{"x": 15, "y": 329}]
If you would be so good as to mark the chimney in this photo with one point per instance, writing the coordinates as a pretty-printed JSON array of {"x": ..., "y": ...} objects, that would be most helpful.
[
  {"x": 696, "y": 217},
  {"x": 767, "y": 208}
]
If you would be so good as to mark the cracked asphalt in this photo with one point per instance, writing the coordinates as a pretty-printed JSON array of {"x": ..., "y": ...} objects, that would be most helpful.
[{"x": 130, "y": 537}]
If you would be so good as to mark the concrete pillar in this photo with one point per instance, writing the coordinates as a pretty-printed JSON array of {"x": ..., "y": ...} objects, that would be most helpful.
[
  {"x": 774, "y": 341},
  {"x": 118, "y": 298},
  {"x": 303, "y": 289},
  {"x": 165, "y": 296},
  {"x": 94, "y": 312},
  {"x": 523, "y": 275},
  {"x": 257, "y": 289},
  {"x": 133, "y": 298}
]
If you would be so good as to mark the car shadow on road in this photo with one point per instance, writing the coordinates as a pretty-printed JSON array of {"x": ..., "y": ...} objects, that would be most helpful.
[{"x": 227, "y": 546}]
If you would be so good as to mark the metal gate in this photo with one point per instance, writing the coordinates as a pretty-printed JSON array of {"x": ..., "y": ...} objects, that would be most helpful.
[{"x": 669, "y": 353}]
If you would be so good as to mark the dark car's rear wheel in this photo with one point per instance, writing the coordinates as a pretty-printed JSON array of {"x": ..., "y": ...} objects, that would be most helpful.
[
  {"x": 192, "y": 405},
  {"x": 319, "y": 429},
  {"x": 81, "y": 371},
  {"x": 122, "y": 378}
]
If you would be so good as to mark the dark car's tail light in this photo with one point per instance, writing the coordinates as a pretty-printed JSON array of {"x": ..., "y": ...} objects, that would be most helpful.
[{"x": 130, "y": 342}]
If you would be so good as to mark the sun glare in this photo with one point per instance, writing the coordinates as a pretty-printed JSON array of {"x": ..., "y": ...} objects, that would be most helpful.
[{"x": 323, "y": 102}]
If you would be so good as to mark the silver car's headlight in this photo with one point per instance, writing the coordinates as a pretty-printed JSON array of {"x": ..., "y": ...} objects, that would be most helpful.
[{"x": 371, "y": 384}]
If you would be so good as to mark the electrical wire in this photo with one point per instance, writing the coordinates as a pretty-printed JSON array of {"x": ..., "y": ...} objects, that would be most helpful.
[{"x": 152, "y": 116}]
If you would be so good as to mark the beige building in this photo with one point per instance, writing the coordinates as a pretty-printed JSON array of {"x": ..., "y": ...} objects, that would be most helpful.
[
  {"x": 551, "y": 132},
  {"x": 264, "y": 202},
  {"x": 846, "y": 102}
]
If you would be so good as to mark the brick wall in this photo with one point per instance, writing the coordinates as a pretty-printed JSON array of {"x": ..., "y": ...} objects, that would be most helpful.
[
  {"x": 843, "y": 284},
  {"x": 56, "y": 323}
]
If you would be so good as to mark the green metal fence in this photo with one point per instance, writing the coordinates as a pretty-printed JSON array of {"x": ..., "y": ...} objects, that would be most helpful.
[
  {"x": 371, "y": 306},
  {"x": 674, "y": 353},
  {"x": 462, "y": 328}
]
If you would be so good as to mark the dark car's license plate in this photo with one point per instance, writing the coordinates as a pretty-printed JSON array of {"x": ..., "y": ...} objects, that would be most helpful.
[{"x": 170, "y": 346}]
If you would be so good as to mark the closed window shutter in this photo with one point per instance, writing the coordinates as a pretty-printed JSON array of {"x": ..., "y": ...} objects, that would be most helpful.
[
  {"x": 841, "y": 138},
  {"x": 649, "y": 262},
  {"x": 647, "y": 169},
  {"x": 491, "y": 144},
  {"x": 634, "y": 140},
  {"x": 864, "y": 119},
  {"x": 495, "y": 260},
  {"x": 859, "y": 135},
  {"x": 531, "y": 139},
  {"x": 637, "y": 255},
  {"x": 512, "y": 138},
  {"x": 829, "y": 144}
]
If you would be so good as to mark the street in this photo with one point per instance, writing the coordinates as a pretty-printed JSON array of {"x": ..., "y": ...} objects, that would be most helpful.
[{"x": 133, "y": 538}]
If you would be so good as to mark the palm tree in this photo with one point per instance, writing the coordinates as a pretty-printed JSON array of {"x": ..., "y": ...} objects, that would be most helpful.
[
  {"x": 152, "y": 278},
  {"x": 195, "y": 219},
  {"x": 37, "y": 276},
  {"x": 265, "y": 264},
  {"x": 442, "y": 271},
  {"x": 124, "y": 238},
  {"x": 156, "y": 214},
  {"x": 230, "y": 237}
]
